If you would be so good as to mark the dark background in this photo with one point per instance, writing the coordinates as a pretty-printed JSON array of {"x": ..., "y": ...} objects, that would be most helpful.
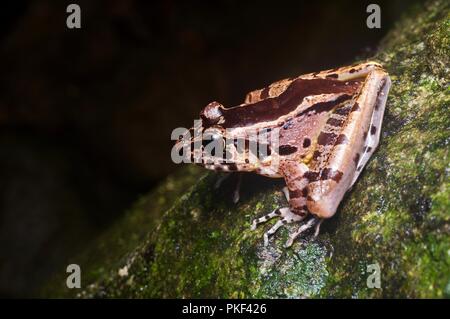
[{"x": 86, "y": 114}]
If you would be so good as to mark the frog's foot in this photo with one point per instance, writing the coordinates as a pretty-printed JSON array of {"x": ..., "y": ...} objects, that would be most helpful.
[
  {"x": 317, "y": 230},
  {"x": 310, "y": 223},
  {"x": 287, "y": 217}
]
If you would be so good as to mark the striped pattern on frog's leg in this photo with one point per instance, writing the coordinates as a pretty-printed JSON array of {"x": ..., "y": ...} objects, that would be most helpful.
[
  {"x": 297, "y": 177},
  {"x": 295, "y": 192},
  {"x": 310, "y": 223},
  {"x": 294, "y": 174},
  {"x": 286, "y": 217},
  {"x": 340, "y": 171}
]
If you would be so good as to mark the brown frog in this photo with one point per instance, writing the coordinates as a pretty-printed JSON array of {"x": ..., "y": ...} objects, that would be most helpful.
[{"x": 317, "y": 131}]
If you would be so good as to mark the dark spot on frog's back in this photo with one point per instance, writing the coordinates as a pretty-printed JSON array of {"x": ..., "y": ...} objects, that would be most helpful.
[
  {"x": 232, "y": 167},
  {"x": 311, "y": 176},
  {"x": 373, "y": 130},
  {"x": 306, "y": 143},
  {"x": 326, "y": 138},
  {"x": 335, "y": 122},
  {"x": 329, "y": 173},
  {"x": 316, "y": 155},
  {"x": 342, "y": 139},
  {"x": 343, "y": 110},
  {"x": 364, "y": 136},
  {"x": 329, "y": 105},
  {"x": 287, "y": 149},
  {"x": 271, "y": 109},
  {"x": 356, "y": 158},
  {"x": 296, "y": 193},
  {"x": 332, "y": 76},
  {"x": 305, "y": 192},
  {"x": 355, "y": 107},
  {"x": 265, "y": 93}
]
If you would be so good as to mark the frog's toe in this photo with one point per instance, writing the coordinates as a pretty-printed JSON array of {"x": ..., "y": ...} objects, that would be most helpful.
[
  {"x": 317, "y": 230},
  {"x": 276, "y": 212},
  {"x": 287, "y": 217},
  {"x": 310, "y": 223}
]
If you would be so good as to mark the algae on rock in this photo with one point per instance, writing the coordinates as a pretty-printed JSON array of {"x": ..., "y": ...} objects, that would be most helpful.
[{"x": 396, "y": 216}]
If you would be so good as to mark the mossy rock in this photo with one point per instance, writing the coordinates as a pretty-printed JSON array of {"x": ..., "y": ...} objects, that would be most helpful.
[{"x": 396, "y": 216}]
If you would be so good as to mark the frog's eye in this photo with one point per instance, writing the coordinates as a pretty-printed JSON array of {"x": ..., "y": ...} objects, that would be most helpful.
[{"x": 212, "y": 113}]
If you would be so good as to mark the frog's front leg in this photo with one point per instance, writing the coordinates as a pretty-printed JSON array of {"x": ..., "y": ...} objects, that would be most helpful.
[
  {"x": 296, "y": 177},
  {"x": 237, "y": 189}
]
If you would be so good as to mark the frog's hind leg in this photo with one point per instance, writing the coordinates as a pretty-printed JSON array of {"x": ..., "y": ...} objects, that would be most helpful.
[
  {"x": 352, "y": 145},
  {"x": 297, "y": 177},
  {"x": 286, "y": 217},
  {"x": 296, "y": 181}
]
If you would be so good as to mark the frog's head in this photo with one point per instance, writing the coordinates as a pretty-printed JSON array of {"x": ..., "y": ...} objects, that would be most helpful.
[
  {"x": 204, "y": 143},
  {"x": 211, "y": 137},
  {"x": 212, "y": 145},
  {"x": 209, "y": 144}
]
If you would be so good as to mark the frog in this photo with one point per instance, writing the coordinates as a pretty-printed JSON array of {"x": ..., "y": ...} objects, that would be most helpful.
[{"x": 317, "y": 131}]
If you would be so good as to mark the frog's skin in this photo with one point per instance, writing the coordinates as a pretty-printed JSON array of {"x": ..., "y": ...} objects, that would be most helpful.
[{"x": 327, "y": 124}]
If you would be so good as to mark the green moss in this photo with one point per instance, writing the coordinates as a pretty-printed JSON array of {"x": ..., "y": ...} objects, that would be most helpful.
[
  {"x": 299, "y": 273},
  {"x": 126, "y": 234}
]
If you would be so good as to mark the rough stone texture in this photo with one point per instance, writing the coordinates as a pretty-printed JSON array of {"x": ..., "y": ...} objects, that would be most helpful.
[{"x": 397, "y": 214}]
